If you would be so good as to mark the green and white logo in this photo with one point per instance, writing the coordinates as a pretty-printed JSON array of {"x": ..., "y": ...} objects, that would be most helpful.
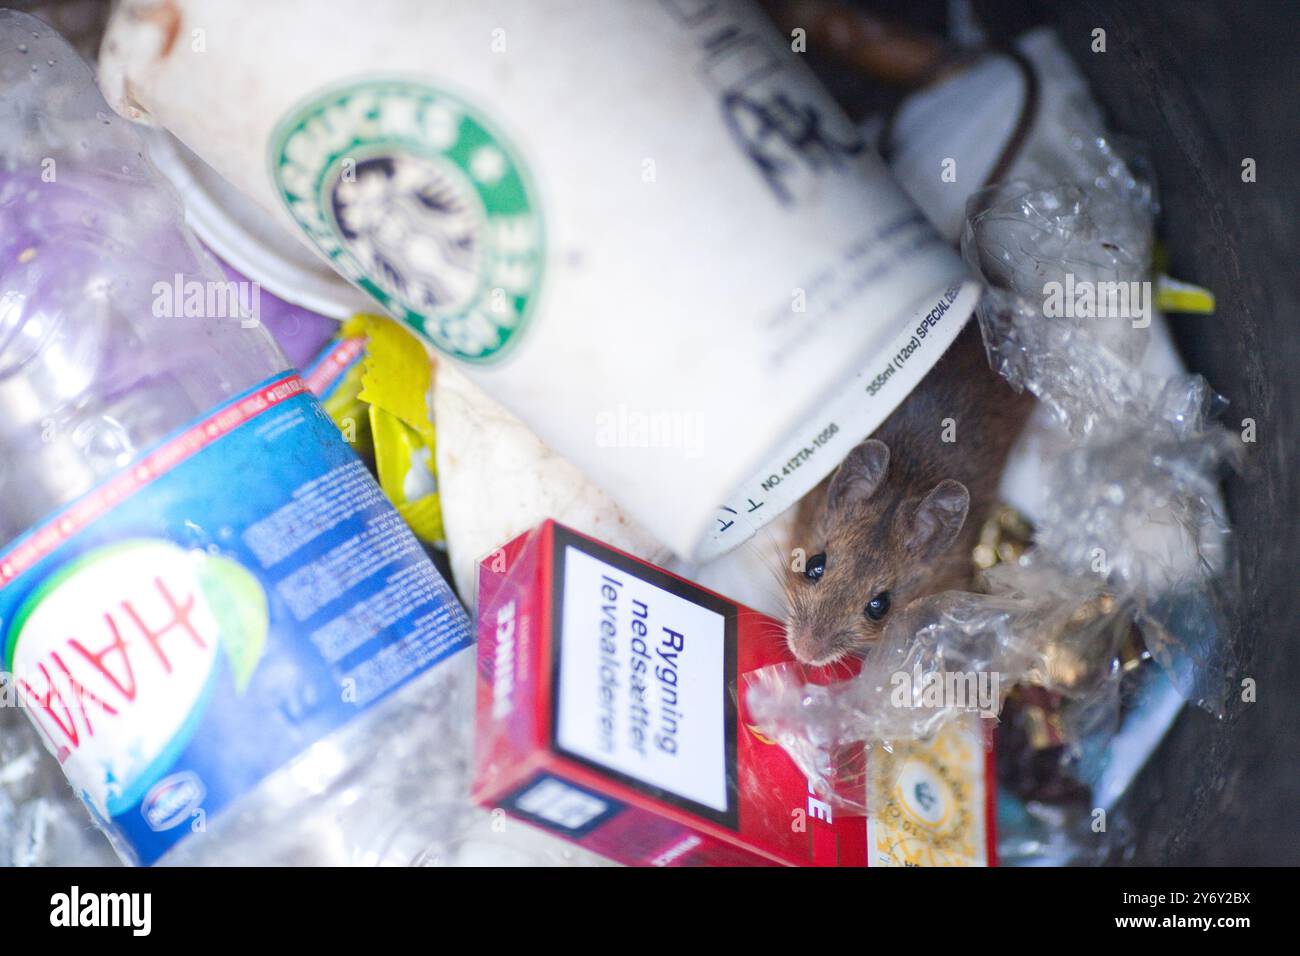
[{"x": 415, "y": 198}]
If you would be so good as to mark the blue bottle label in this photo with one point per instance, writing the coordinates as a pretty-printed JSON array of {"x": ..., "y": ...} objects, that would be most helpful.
[{"x": 195, "y": 622}]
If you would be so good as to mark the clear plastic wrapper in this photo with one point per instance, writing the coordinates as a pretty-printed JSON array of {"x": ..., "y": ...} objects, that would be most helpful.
[
  {"x": 1025, "y": 240},
  {"x": 1132, "y": 536}
]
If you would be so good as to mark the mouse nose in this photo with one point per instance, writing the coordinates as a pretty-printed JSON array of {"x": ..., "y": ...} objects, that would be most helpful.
[
  {"x": 801, "y": 641},
  {"x": 814, "y": 647}
]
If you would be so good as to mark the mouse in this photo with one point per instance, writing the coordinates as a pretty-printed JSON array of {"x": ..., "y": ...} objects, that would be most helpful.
[{"x": 899, "y": 517}]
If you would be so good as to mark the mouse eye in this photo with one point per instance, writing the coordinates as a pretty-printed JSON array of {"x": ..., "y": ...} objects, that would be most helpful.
[
  {"x": 878, "y": 606},
  {"x": 816, "y": 567}
]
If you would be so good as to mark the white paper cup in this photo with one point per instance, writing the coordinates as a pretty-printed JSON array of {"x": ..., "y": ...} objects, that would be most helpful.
[{"x": 642, "y": 226}]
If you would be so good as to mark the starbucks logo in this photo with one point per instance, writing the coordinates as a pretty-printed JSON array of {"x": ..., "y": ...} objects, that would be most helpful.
[
  {"x": 416, "y": 229},
  {"x": 414, "y": 198}
]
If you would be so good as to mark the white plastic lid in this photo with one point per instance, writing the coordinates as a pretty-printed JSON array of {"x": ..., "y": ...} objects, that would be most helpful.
[{"x": 250, "y": 240}]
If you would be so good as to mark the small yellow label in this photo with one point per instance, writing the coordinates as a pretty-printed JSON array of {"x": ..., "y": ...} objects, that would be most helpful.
[{"x": 1175, "y": 296}]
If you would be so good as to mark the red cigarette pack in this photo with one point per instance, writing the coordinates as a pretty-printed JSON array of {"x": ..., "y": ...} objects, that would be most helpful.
[{"x": 610, "y": 711}]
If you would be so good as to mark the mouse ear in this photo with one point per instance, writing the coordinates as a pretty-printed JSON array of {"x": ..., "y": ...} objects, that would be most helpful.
[
  {"x": 859, "y": 475},
  {"x": 938, "y": 519}
]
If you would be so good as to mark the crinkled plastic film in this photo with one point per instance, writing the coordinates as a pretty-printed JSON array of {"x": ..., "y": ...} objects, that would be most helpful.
[{"x": 1132, "y": 537}]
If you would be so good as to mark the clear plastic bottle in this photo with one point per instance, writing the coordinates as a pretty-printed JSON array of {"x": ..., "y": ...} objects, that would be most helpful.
[{"x": 92, "y": 380}]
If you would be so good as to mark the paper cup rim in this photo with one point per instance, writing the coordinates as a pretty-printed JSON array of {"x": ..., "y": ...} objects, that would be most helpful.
[{"x": 275, "y": 267}]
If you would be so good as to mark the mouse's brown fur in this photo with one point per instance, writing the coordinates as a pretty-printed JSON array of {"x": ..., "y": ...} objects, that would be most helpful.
[{"x": 900, "y": 516}]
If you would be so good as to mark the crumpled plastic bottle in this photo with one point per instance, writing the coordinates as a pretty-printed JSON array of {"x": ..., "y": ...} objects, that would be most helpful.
[{"x": 92, "y": 376}]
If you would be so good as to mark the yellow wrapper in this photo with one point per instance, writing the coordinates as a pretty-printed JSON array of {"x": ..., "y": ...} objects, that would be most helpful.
[{"x": 381, "y": 405}]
